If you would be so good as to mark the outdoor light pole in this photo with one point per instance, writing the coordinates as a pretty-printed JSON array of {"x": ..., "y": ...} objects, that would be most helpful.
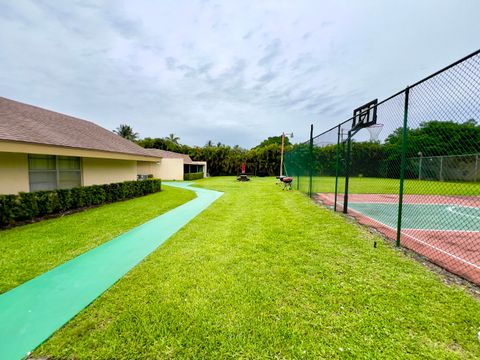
[{"x": 281, "y": 157}]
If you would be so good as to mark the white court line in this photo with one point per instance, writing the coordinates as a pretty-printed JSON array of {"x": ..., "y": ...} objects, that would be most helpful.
[
  {"x": 465, "y": 206},
  {"x": 452, "y": 210},
  {"x": 449, "y": 208},
  {"x": 443, "y": 251},
  {"x": 409, "y": 203},
  {"x": 422, "y": 242},
  {"x": 429, "y": 204},
  {"x": 457, "y": 231},
  {"x": 396, "y": 201}
]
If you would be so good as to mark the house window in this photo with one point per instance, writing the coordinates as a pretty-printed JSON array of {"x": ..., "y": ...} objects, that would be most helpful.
[
  {"x": 188, "y": 169},
  {"x": 49, "y": 172}
]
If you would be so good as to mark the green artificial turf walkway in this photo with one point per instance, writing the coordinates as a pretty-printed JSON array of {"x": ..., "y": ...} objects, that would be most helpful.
[
  {"x": 31, "y": 312},
  {"x": 31, "y": 250}
]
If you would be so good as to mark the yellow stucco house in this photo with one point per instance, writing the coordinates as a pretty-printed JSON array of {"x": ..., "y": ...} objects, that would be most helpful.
[
  {"x": 45, "y": 150},
  {"x": 173, "y": 165}
]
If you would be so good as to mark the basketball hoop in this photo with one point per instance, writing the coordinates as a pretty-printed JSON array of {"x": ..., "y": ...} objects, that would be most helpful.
[
  {"x": 375, "y": 131},
  {"x": 364, "y": 116}
]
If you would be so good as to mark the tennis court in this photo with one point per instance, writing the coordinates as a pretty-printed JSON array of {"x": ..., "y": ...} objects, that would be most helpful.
[{"x": 445, "y": 229}]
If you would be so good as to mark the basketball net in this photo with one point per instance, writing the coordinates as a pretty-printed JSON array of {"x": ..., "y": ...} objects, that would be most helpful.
[{"x": 375, "y": 131}]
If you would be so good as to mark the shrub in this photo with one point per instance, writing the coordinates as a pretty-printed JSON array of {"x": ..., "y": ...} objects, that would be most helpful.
[
  {"x": 27, "y": 206},
  {"x": 193, "y": 176}
]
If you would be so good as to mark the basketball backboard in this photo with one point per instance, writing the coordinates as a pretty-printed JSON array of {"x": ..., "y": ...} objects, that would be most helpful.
[{"x": 365, "y": 115}]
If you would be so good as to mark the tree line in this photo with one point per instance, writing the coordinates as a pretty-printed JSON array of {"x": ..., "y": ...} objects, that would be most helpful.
[
  {"x": 369, "y": 159},
  {"x": 375, "y": 159},
  {"x": 263, "y": 159}
]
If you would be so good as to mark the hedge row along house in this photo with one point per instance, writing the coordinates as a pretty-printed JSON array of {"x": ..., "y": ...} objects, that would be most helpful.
[{"x": 45, "y": 150}]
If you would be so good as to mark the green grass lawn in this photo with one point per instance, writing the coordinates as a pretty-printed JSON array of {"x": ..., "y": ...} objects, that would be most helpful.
[
  {"x": 266, "y": 273},
  {"x": 364, "y": 185},
  {"x": 30, "y": 250}
]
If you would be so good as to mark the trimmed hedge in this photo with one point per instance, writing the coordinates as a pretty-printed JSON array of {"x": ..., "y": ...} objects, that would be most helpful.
[
  {"x": 193, "y": 176},
  {"x": 27, "y": 206}
]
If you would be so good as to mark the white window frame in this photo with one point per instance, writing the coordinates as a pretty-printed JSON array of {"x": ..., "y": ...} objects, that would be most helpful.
[{"x": 56, "y": 170}]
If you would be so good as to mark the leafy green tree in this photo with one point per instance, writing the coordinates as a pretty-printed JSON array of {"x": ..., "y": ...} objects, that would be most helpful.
[
  {"x": 436, "y": 138},
  {"x": 126, "y": 131},
  {"x": 173, "y": 138},
  {"x": 432, "y": 138},
  {"x": 274, "y": 140},
  {"x": 223, "y": 159}
]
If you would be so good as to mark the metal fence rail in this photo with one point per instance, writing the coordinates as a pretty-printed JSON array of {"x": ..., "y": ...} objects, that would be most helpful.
[
  {"x": 413, "y": 174},
  {"x": 445, "y": 167}
]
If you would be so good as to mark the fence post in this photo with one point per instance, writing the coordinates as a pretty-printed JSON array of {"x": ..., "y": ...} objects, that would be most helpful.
[
  {"x": 420, "y": 165},
  {"x": 311, "y": 162},
  {"x": 337, "y": 164},
  {"x": 402, "y": 164},
  {"x": 476, "y": 167},
  {"x": 347, "y": 173},
  {"x": 441, "y": 168}
]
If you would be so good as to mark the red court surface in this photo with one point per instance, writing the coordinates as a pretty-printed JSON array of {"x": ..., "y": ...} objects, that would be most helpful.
[{"x": 449, "y": 240}]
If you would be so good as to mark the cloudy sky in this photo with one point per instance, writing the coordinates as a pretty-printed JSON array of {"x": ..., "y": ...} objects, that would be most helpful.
[{"x": 228, "y": 71}]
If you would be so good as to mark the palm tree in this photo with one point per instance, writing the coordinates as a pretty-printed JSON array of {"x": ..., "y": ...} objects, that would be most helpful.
[
  {"x": 209, "y": 143},
  {"x": 126, "y": 131},
  {"x": 174, "y": 139}
]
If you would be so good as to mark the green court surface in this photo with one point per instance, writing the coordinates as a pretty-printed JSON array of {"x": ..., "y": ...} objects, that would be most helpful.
[
  {"x": 366, "y": 185},
  {"x": 423, "y": 216},
  {"x": 33, "y": 311}
]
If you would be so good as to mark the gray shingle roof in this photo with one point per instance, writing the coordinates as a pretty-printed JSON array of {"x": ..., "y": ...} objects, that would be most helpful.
[
  {"x": 31, "y": 124},
  {"x": 171, "y": 155}
]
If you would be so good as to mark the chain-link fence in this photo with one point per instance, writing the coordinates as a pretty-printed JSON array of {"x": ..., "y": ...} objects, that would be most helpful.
[
  {"x": 445, "y": 167},
  {"x": 411, "y": 170}
]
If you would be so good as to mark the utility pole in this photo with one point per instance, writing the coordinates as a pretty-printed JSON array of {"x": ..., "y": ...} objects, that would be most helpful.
[
  {"x": 283, "y": 145},
  {"x": 281, "y": 158}
]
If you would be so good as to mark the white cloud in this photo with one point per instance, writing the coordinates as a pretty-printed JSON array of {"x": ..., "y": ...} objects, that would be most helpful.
[{"x": 235, "y": 71}]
